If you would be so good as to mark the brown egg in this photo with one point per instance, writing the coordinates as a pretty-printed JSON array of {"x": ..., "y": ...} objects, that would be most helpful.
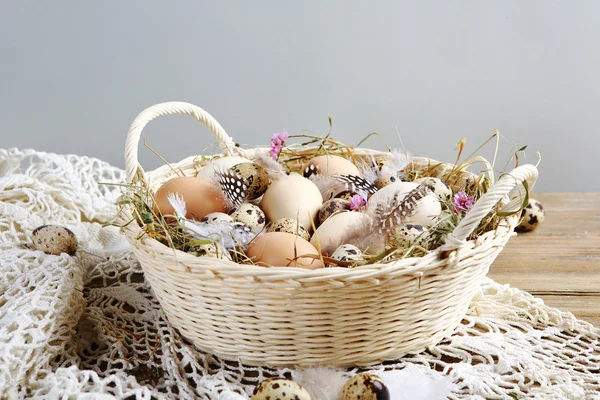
[
  {"x": 201, "y": 198},
  {"x": 281, "y": 249}
]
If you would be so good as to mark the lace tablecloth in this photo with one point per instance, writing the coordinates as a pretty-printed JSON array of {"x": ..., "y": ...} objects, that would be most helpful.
[{"x": 88, "y": 326}]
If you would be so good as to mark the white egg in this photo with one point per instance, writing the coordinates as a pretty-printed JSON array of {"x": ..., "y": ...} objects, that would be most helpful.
[
  {"x": 337, "y": 228},
  {"x": 428, "y": 208},
  {"x": 293, "y": 197},
  {"x": 207, "y": 172}
]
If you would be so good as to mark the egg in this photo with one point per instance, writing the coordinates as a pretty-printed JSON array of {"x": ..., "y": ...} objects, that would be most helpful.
[
  {"x": 201, "y": 198},
  {"x": 426, "y": 212},
  {"x": 365, "y": 387},
  {"x": 292, "y": 197},
  {"x": 330, "y": 165},
  {"x": 217, "y": 217},
  {"x": 337, "y": 228},
  {"x": 223, "y": 163},
  {"x": 251, "y": 216},
  {"x": 531, "y": 216},
  {"x": 409, "y": 234},
  {"x": 210, "y": 250},
  {"x": 281, "y": 249},
  {"x": 345, "y": 195},
  {"x": 439, "y": 188},
  {"x": 289, "y": 225},
  {"x": 347, "y": 252},
  {"x": 254, "y": 177},
  {"x": 279, "y": 389},
  {"x": 385, "y": 180},
  {"x": 54, "y": 239},
  {"x": 331, "y": 207}
]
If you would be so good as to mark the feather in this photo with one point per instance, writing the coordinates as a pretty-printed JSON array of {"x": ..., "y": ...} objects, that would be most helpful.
[
  {"x": 328, "y": 185},
  {"x": 273, "y": 168},
  {"x": 417, "y": 383},
  {"x": 232, "y": 185},
  {"x": 369, "y": 169},
  {"x": 229, "y": 235},
  {"x": 356, "y": 184},
  {"x": 397, "y": 161},
  {"x": 321, "y": 383}
]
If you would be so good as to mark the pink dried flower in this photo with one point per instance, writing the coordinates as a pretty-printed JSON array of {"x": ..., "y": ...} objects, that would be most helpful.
[
  {"x": 462, "y": 202},
  {"x": 277, "y": 141},
  {"x": 357, "y": 202}
]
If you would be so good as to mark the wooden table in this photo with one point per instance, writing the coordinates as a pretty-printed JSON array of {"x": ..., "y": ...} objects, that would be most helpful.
[{"x": 560, "y": 261}]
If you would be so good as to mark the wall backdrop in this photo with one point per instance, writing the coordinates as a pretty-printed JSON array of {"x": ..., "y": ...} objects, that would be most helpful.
[{"x": 75, "y": 74}]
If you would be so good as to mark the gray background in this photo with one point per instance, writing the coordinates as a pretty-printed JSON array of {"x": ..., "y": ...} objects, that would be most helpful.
[{"x": 76, "y": 73}]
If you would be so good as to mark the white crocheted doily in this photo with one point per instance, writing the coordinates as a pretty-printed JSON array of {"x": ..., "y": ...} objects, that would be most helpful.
[{"x": 88, "y": 326}]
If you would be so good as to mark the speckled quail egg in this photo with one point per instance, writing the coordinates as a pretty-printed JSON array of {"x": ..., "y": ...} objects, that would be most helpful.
[
  {"x": 345, "y": 195},
  {"x": 441, "y": 190},
  {"x": 279, "y": 389},
  {"x": 255, "y": 178},
  {"x": 217, "y": 217},
  {"x": 289, "y": 225},
  {"x": 331, "y": 207},
  {"x": 385, "y": 180},
  {"x": 409, "y": 234},
  {"x": 209, "y": 250},
  {"x": 531, "y": 216},
  {"x": 365, "y": 387},
  {"x": 347, "y": 252},
  {"x": 54, "y": 239},
  {"x": 250, "y": 215}
]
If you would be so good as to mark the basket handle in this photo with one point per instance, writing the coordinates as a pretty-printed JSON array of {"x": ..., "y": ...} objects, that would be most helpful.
[
  {"x": 226, "y": 144},
  {"x": 484, "y": 205}
]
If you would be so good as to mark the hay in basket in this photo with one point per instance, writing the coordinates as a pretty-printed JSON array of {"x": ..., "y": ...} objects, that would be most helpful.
[{"x": 277, "y": 316}]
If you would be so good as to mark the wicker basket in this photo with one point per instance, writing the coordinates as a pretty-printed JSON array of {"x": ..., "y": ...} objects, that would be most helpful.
[{"x": 284, "y": 316}]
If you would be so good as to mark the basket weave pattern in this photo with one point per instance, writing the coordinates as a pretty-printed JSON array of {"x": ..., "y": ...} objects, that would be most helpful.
[{"x": 284, "y": 316}]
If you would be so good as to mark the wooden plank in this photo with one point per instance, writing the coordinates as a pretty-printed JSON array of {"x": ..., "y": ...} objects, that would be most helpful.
[
  {"x": 583, "y": 307},
  {"x": 560, "y": 261}
]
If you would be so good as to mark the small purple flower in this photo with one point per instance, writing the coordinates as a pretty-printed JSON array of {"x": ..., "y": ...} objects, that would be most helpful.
[
  {"x": 462, "y": 202},
  {"x": 357, "y": 202},
  {"x": 277, "y": 141}
]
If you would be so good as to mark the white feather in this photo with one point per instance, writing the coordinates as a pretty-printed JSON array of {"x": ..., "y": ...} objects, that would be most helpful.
[
  {"x": 328, "y": 185},
  {"x": 417, "y": 383},
  {"x": 273, "y": 168},
  {"x": 369, "y": 170},
  {"x": 398, "y": 160},
  {"x": 178, "y": 204},
  {"x": 322, "y": 383}
]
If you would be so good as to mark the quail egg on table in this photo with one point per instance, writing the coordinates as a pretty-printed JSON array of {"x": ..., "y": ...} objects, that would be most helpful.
[
  {"x": 289, "y": 225},
  {"x": 217, "y": 217},
  {"x": 365, "y": 387},
  {"x": 331, "y": 207},
  {"x": 409, "y": 234},
  {"x": 254, "y": 177},
  {"x": 438, "y": 187},
  {"x": 279, "y": 389},
  {"x": 347, "y": 252},
  {"x": 251, "y": 216},
  {"x": 54, "y": 239},
  {"x": 531, "y": 216}
]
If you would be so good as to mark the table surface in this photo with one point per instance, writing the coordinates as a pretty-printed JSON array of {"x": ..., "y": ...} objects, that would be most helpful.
[{"x": 560, "y": 261}]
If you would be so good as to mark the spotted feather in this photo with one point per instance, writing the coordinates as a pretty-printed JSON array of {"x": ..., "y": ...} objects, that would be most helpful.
[
  {"x": 233, "y": 187},
  {"x": 356, "y": 184}
]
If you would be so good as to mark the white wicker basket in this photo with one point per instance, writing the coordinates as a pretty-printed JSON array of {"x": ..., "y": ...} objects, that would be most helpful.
[{"x": 284, "y": 316}]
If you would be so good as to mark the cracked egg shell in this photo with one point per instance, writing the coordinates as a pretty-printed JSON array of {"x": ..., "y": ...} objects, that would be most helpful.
[
  {"x": 292, "y": 197},
  {"x": 365, "y": 387},
  {"x": 330, "y": 165},
  {"x": 279, "y": 389},
  {"x": 201, "y": 197},
  {"x": 282, "y": 249}
]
